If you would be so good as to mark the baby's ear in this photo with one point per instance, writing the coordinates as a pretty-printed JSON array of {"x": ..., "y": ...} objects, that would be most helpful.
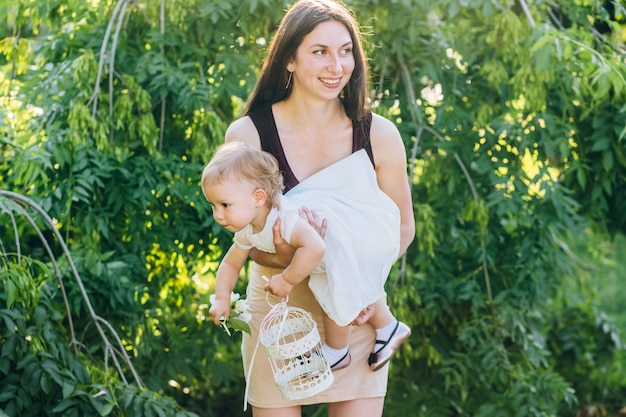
[{"x": 260, "y": 197}]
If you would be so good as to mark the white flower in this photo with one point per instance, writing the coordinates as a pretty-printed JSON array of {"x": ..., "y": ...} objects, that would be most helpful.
[
  {"x": 245, "y": 317},
  {"x": 238, "y": 319},
  {"x": 240, "y": 307}
]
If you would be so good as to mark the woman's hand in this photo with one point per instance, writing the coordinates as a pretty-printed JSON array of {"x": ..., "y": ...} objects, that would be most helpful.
[
  {"x": 284, "y": 251},
  {"x": 313, "y": 219}
]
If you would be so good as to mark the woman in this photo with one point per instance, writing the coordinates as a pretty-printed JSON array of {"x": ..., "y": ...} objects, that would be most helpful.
[{"x": 308, "y": 110}]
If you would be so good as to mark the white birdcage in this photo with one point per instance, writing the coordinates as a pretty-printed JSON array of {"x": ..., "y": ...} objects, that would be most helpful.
[{"x": 294, "y": 348}]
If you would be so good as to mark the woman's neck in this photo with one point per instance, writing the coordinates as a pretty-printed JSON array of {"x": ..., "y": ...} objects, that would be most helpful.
[{"x": 311, "y": 114}]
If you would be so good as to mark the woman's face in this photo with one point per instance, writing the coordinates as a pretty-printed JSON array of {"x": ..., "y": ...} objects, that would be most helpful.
[{"x": 324, "y": 61}]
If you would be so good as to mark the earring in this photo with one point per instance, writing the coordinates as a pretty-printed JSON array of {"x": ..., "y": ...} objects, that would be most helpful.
[{"x": 289, "y": 80}]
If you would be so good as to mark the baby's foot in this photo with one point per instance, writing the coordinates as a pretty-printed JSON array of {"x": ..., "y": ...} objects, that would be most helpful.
[{"x": 388, "y": 347}]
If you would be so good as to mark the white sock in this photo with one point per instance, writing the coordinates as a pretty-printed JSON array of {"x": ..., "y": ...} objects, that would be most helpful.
[
  {"x": 384, "y": 333},
  {"x": 334, "y": 355}
]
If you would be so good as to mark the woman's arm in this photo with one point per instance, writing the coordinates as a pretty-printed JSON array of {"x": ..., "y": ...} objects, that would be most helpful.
[{"x": 390, "y": 159}]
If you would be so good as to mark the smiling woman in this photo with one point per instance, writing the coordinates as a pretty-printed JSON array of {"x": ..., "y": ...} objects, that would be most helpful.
[{"x": 308, "y": 109}]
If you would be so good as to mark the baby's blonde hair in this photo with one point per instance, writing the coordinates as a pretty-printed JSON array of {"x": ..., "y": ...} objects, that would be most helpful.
[{"x": 238, "y": 160}]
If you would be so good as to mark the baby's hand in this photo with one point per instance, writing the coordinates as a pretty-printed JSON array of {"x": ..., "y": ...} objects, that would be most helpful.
[
  {"x": 278, "y": 286},
  {"x": 220, "y": 310}
]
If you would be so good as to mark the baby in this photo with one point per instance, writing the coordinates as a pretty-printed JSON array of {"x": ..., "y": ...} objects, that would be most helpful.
[{"x": 244, "y": 187}]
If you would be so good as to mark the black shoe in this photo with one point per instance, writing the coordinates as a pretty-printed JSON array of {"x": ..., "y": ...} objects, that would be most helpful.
[{"x": 381, "y": 356}]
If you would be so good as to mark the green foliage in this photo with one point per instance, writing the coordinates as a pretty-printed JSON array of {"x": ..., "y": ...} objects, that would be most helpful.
[
  {"x": 40, "y": 374},
  {"x": 513, "y": 117}
]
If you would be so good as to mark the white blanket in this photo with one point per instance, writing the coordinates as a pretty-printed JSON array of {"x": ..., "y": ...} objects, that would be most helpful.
[{"x": 362, "y": 237}]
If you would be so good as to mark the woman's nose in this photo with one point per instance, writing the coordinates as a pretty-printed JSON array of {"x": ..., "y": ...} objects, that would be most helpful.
[{"x": 335, "y": 63}]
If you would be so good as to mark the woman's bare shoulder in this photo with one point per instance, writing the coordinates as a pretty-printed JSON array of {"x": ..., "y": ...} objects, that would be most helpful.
[
  {"x": 243, "y": 130},
  {"x": 383, "y": 132}
]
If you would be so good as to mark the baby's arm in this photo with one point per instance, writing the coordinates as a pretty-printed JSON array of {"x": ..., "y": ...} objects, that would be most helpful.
[
  {"x": 309, "y": 252},
  {"x": 227, "y": 276}
]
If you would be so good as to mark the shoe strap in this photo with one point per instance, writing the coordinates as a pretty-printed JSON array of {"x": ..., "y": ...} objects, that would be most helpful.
[
  {"x": 339, "y": 361},
  {"x": 384, "y": 343},
  {"x": 373, "y": 358}
]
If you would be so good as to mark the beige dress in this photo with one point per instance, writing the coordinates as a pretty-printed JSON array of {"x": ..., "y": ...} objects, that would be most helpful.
[
  {"x": 355, "y": 381},
  {"x": 350, "y": 383}
]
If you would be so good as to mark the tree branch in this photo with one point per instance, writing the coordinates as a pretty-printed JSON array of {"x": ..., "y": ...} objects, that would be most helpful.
[
  {"x": 112, "y": 64},
  {"x": 103, "y": 48},
  {"x": 97, "y": 321}
]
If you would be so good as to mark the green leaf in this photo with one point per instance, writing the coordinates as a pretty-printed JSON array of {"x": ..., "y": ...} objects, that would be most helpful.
[
  {"x": 66, "y": 404},
  {"x": 238, "y": 325},
  {"x": 11, "y": 293},
  {"x": 601, "y": 143},
  {"x": 46, "y": 383},
  {"x": 608, "y": 161},
  {"x": 7, "y": 393},
  {"x": 67, "y": 389}
]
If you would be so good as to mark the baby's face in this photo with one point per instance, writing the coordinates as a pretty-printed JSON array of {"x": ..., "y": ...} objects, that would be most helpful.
[{"x": 233, "y": 202}]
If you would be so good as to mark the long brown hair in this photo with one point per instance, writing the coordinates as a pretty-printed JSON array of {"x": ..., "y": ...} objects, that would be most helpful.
[{"x": 299, "y": 21}]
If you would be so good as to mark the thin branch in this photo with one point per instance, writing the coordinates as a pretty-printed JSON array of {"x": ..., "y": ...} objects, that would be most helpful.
[
  {"x": 119, "y": 343},
  {"x": 14, "y": 64},
  {"x": 383, "y": 70},
  {"x": 17, "y": 238},
  {"x": 95, "y": 318},
  {"x": 571, "y": 254},
  {"x": 416, "y": 119},
  {"x": 145, "y": 15},
  {"x": 163, "y": 99},
  {"x": 103, "y": 48},
  {"x": 527, "y": 13},
  {"x": 162, "y": 123},
  {"x": 555, "y": 19},
  {"x": 57, "y": 272},
  {"x": 416, "y": 116},
  {"x": 116, "y": 37}
]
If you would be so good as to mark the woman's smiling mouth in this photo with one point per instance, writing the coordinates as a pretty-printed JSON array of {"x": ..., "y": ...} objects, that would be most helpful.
[{"x": 331, "y": 82}]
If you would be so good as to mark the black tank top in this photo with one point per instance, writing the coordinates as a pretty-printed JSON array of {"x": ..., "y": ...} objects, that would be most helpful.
[{"x": 263, "y": 119}]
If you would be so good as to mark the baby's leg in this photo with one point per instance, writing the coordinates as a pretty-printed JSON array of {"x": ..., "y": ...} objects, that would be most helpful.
[
  {"x": 336, "y": 344},
  {"x": 382, "y": 314},
  {"x": 337, "y": 337},
  {"x": 390, "y": 334}
]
